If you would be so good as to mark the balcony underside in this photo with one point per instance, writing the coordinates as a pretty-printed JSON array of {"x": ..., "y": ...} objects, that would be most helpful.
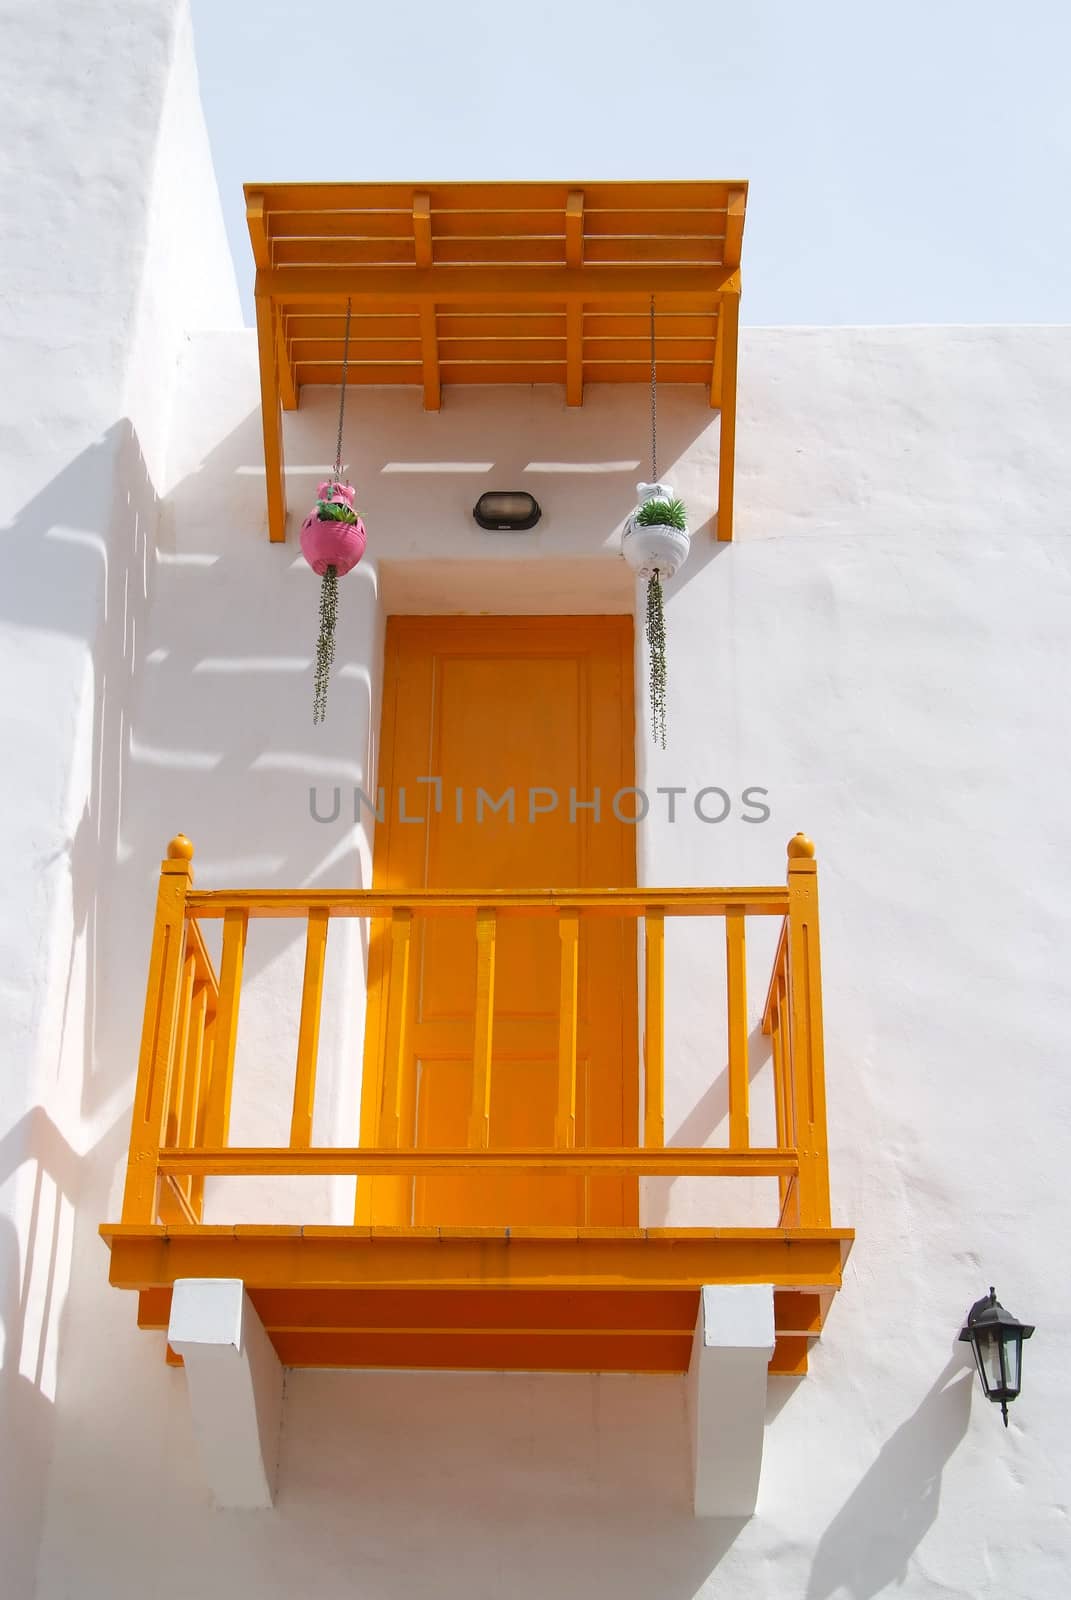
[{"x": 544, "y": 1299}]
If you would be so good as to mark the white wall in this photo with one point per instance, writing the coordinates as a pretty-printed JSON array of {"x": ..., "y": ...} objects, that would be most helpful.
[
  {"x": 883, "y": 649},
  {"x": 97, "y": 101}
]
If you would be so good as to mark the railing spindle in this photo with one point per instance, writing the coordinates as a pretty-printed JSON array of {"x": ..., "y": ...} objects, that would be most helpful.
[
  {"x": 178, "y": 1088},
  {"x": 221, "y": 1082},
  {"x": 397, "y": 1037},
  {"x": 654, "y": 1028},
  {"x": 480, "y": 1118},
  {"x": 156, "y": 1059},
  {"x": 805, "y": 1011},
  {"x": 565, "y": 1118},
  {"x": 309, "y": 1031},
  {"x": 736, "y": 989}
]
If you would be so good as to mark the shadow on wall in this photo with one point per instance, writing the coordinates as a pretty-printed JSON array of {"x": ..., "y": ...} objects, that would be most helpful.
[
  {"x": 868, "y": 1545},
  {"x": 414, "y": 1486},
  {"x": 78, "y": 559}
]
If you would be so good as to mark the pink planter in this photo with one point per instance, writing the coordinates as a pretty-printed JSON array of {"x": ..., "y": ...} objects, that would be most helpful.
[{"x": 332, "y": 544}]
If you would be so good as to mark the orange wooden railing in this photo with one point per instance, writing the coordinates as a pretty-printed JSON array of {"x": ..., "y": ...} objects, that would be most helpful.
[{"x": 181, "y": 1116}]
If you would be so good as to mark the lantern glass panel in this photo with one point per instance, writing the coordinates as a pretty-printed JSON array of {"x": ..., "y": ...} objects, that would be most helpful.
[
  {"x": 1013, "y": 1361},
  {"x": 987, "y": 1350}
]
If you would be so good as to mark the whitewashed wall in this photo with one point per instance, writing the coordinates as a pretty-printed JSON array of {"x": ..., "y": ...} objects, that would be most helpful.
[
  {"x": 883, "y": 650},
  {"x": 103, "y": 163}
]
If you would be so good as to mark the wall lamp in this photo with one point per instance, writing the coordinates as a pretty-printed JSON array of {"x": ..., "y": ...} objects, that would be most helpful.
[
  {"x": 996, "y": 1337},
  {"x": 507, "y": 511}
]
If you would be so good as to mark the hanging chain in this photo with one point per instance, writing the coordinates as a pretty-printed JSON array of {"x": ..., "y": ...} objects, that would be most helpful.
[
  {"x": 654, "y": 405},
  {"x": 342, "y": 395}
]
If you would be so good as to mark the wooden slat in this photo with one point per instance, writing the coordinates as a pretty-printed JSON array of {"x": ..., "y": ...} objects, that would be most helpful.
[
  {"x": 329, "y": 352},
  {"x": 342, "y": 224},
  {"x": 736, "y": 995},
  {"x": 330, "y": 327},
  {"x": 388, "y": 372},
  {"x": 483, "y": 1028},
  {"x": 632, "y": 372},
  {"x": 480, "y": 350},
  {"x": 287, "y": 253},
  {"x": 565, "y": 1117},
  {"x": 309, "y": 1031},
  {"x": 422, "y": 229},
  {"x": 663, "y": 251},
  {"x": 221, "y": 1084},
  {"x": 529, "y": 371},
  {"x": 654, "y": 1131},
  {"x": 706, "y": 224},
  {"x": 502, "y": 325},
  {"x": 636, "y": 325},
  {"x": 671, "y": 350},
  {"x": 396, "y": 1052}
]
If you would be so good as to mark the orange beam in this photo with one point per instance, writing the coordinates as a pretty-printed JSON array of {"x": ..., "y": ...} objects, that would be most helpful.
[
  {"x": 517, "y": 1258},
  {"x": 347, "y": 1161},
  {"x": 728, "y": 336},
  {"x": 755, "y": 901},
  {"x": 688, "y": 288},
  {"x": 272, "y": 418}
]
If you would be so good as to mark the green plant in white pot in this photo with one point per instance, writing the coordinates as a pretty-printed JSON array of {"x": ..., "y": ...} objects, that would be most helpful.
[{"x": 655, "y": 544}]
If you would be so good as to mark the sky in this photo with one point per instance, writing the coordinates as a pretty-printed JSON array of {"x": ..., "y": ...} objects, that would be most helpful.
[{"x": 908, "y": 163}]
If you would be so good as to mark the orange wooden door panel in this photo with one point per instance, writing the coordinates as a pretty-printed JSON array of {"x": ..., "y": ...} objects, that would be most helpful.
[{"x": 498, "y": 708}]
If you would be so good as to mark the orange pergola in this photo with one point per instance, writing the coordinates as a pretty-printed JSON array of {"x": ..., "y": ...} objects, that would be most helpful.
[{"x": 495, "y": 283}]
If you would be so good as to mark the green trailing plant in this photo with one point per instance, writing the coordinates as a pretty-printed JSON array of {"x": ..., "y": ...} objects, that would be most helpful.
[
  {"x": 325, "y": 644},
  {"x": 656, "y": 647},
  {"x": 662, "y": 514}
]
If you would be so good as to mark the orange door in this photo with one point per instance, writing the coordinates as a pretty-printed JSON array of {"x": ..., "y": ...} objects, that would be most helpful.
[{"x": 522, "y": 719}]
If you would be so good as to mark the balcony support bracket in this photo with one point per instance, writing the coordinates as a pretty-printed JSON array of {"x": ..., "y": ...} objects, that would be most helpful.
[
  {"x": 726, "y": 1387},
  {"x": 235, "y": 1384}
]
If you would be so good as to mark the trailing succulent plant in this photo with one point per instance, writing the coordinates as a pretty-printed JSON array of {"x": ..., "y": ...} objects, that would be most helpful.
[
  {"x": 325, "y": 644},
  {"x": 656, "y": 649},
  {"x": 662, "y": 514}
]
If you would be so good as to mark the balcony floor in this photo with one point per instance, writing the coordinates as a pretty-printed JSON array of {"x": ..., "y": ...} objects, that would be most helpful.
[{"x": 544, "y": 1299}]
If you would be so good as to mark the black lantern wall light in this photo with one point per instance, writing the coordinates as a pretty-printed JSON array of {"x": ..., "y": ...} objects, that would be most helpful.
[{"x": 996, "y": 1338}]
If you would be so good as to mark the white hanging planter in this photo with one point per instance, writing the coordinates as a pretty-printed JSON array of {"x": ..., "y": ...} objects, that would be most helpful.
[{"x": 657, "y": 549}]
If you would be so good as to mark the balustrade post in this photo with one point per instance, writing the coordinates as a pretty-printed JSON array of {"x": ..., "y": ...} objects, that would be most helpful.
[
  {"x": 805, "y": 1023},
  {"x": 156, "y": 1060}
]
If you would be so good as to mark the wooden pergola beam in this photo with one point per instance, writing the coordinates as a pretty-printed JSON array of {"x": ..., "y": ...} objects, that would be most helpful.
[
  {"x": 429, "y": 341},
  {"x": 401, "y": 288},
  {"x": 728, "y": 337},
  {"x": 271, "y": 411},
  {"x": 574, "y": 311}
]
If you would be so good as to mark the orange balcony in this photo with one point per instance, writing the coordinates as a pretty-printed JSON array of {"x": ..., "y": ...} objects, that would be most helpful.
[{"x": 507, "y": 1292}]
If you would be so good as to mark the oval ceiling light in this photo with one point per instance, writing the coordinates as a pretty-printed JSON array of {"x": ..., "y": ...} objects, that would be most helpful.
[{"x": 507, "y": 511}]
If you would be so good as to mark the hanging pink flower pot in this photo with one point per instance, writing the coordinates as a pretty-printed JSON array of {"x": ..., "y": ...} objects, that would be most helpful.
[{"x": 333, "y": 540}]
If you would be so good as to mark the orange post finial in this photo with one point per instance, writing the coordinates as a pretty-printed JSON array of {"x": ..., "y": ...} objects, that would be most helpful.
[
  {"x": 800, "y": 847},
  {"x": 180, "y": 848}
]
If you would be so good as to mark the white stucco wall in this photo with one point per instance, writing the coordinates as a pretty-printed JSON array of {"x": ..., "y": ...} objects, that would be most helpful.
[
  {"x": 883, "y": 650},
  {"x": 103, "y": 156}
]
